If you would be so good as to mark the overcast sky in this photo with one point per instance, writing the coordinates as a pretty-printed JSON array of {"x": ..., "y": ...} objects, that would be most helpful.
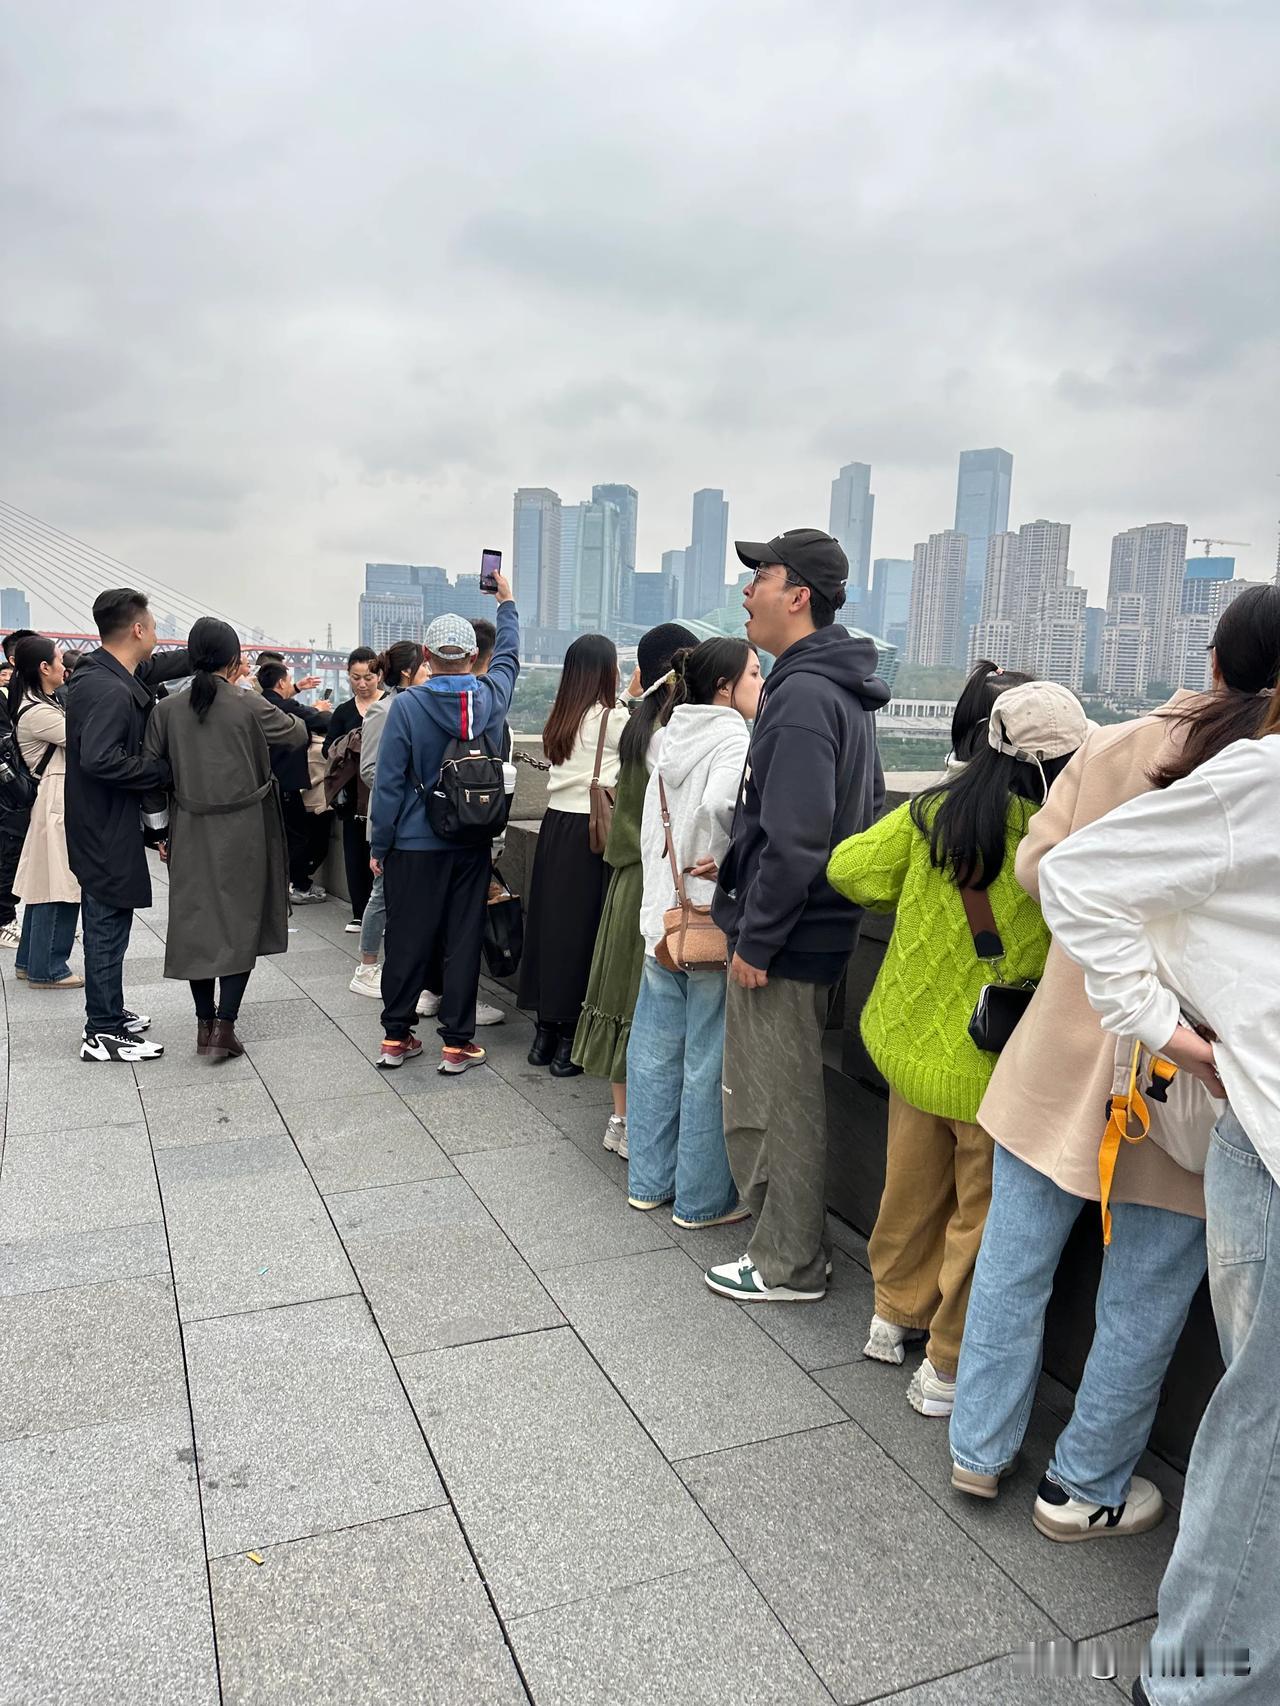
[{"x": 287, "y": 287}]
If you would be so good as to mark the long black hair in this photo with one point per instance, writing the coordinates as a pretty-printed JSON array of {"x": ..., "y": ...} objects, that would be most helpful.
[
  {"x": 705, "y": 668},
  {"x": 654, "y": 656},
  {"x": 399, "y": 663},
  {"x": 589, "y": 677},
  {"x": 1246, "y": 647},
  {"x": 29, "y": 653},
  {"x": 965, "y": 818},
  {"x": 211, "y": 646}
]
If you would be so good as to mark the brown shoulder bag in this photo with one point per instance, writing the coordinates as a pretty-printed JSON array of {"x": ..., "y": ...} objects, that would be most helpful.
[
  {"x": 691, "y": 940},
  {"x": 601, "y": 798}
]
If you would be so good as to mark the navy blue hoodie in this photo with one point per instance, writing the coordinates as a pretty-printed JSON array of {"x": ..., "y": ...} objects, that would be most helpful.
[
  {"x": 421, "y": 722},
  {"x": 812, "y": 777}
]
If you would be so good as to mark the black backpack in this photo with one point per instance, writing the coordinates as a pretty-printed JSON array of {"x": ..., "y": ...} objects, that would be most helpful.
[
  {"x": 18, "y": 785},
  {"x": 469, "y": 801}
]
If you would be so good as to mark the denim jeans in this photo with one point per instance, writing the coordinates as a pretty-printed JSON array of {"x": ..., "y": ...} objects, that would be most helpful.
[
  {"x": 106, "y": 936},
  {"x": 1149, "y": 1275},
  {"x": 48, "y": 934},
  {"x": 1220, "y": 1586},
  {"x": 675, "y": 1125},
  {"x": 373, "y": 920}
]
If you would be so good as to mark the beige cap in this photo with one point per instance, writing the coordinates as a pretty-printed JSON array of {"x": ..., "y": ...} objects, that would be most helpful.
[{"x": 1037, "y": 720}]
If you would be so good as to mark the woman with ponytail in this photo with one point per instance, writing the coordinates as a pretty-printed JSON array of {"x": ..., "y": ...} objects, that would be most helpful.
[
  {"x": 44, "y": 880},
  {"x": 600, "y": 1045},
  {"x": 228, "y": 878}
]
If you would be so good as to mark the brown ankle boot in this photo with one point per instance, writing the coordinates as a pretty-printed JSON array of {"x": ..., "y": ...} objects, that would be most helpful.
[
  {"x": 203, "y": 1027},
  {"x": 223, "y": 1041}
]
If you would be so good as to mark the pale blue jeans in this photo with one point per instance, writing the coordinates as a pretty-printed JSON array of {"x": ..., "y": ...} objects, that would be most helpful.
[{"x": 1150, "y": 1272}]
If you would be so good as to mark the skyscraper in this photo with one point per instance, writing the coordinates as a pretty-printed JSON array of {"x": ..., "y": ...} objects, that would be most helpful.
[
  {"x": 1148, "y": 564},
  {"x": 982, "y": 508},
  {"x": 934, "y": 634},
  {"x": 1203, "y": 576},
  {"x": 536, "y": 555},
  {"x": 703, "y": 588},
  {"x": 1032, "y": 615},
  {"x": 655, "y": 596},
  {"x": 597, "y": 568},
  {"x": 626, "y": 500},
  {"x": 889, "y": 603},
  {"x": 673, "y": 564},
  {"x": 15, "y": 611},
  {"x": 386, "y": 617},
  {"x": 852, "y": 513},
  {"x": 570, "y": 524},
  {"x": 1095, "y": 620}
]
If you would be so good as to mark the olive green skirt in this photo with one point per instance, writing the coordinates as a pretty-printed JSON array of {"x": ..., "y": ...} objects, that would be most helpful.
[{"x": 600, "y": 1043}]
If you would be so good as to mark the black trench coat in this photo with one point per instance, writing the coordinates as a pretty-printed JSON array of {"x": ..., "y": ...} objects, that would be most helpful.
[{"x": 228, "y": 874}]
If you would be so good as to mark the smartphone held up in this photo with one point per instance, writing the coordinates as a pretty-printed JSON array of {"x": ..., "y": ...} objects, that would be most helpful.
[{"x": 490, "y": 569}]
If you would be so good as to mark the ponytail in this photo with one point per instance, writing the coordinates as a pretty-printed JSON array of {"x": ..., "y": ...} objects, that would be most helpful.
[
  {"x": 399, "y": 663},
  {"x": 700, "y": 671},
  {"x": 29, "y": 653},
  {"x": 211, "y": 647}
]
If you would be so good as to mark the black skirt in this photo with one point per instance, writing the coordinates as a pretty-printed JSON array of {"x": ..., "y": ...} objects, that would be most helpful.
[{"x": 566, "y": 895}]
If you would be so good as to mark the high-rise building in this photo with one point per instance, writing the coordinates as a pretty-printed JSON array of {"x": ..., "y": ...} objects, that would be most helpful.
[
  {"x": 889, "y": 605},
  {"x": 597, "y": 568},
  {"x": 570, "y": 525},
  {"x": 673, "y": 564},
  {"x": 1204, "y": 575},
  {"x": 1095, "y": 619},
  {"x": 852, "y": 513},
  {"x": 1000, "y": 592},
  {"x": 1126, "y": 649},
  {"x": 1149, "y": 564},
  {"x": 982, "y": 508},
  {"x": 703, "y": 588},
  {"x": 655, "y": 596},
  {"x": 1032, "y": 615},
  {"x": 934, "y": 633},
  {"x": 626, "y": 501},
  {"x": 386, "y": 617},
  {"x": 15, "y": 611},
  {"x": 1060, "y": 636},
  {"x": 536, "y": 555}
]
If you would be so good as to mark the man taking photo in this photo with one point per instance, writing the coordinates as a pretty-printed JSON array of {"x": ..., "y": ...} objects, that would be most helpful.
[{"x": 812, "y": 777}]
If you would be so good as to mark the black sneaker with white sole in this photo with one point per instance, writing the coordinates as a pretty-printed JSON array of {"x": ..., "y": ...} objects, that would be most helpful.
[{"x": 119, "y": 1045}]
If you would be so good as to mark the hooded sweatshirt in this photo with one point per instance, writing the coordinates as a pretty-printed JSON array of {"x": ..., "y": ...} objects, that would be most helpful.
[
  {"x": 812, "y": 779},
  {"x": 420, "y": 724},
  {"x": 699, "y": 757}
]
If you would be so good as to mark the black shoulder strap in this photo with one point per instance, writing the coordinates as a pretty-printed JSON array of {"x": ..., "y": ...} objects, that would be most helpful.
[{"x": 50, "y": 749}]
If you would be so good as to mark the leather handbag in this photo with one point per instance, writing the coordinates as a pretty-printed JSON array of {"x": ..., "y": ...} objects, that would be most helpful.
[
  {"x": 999, "y": 1005},
  {"x": 601, "y": 821},
  {"x": 691, "y": 940}
]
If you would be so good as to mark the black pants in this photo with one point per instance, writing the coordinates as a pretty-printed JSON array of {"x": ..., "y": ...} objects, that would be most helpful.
[
  {"x": 435, "y": 906},
  {"x": 355, "y": 856},
  {"x": 230, "y": 994},
  {"x": 306, "y": 839},
  {"x": 10, "y": 853}
]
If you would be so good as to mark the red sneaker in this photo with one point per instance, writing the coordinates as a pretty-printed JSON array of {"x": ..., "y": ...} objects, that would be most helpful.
[
  {"x": 462, "y": 1058},
  {"x": 396, "y": 1053}
]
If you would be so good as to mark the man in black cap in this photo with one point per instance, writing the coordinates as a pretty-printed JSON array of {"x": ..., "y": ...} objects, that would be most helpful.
[{"x": 812, "y": 777}]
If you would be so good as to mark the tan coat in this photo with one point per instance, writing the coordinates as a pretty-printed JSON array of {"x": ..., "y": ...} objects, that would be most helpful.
[
  {"x": 44, "y": 871},
  {"x": 1047, "y": 1099}
]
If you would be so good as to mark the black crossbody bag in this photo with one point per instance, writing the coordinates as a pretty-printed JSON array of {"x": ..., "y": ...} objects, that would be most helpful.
[{"x": 999, "y": 1005}]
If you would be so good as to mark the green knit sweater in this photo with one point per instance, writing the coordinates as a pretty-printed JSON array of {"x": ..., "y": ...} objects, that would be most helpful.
[{"x": 915, "y": 1022}]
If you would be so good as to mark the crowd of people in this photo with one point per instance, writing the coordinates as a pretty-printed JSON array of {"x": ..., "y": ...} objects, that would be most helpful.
[{"x": 1070, "y": 903}]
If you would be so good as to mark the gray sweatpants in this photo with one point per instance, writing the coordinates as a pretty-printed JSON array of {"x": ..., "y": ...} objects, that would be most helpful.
[{"x": 775, "y": 1125}]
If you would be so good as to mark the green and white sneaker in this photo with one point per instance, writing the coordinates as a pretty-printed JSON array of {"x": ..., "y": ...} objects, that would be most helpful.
[{"x": 741, "y": 1280}]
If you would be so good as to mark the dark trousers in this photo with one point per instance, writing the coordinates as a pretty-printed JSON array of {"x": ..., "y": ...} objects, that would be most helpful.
[
  {"x": 230, "y": 994},
  {"x": 306, "y": 840},
  {"x": 106, "y": 936},
  {"x": 435, "y": 906},
  {"x": 10, "y": 853},
  {"x": 355, "y": 857}
]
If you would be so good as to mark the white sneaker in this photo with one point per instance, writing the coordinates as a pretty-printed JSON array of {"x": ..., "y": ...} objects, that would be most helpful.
[
  {"x": 367, "y": 981},
  {"x": 429, "y": 1005},
  {"x": 307, "y": 897},
  {"x": 885, "y": 1341},
  {"x": 490, "y": 1015},
  {"x": 931, "y": 1393},
  {"x": 353, "y": 928},
  {"x": 10, "y": 936},
  {"x": 1060, "y": 1517},
  {"x": 615, "y": 1135},
  {"x": 119, "y": 1045}
]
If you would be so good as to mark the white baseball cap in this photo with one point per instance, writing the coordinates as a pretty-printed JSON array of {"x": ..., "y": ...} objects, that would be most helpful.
[
  {"x": 1036, "y": 721},
  {"x": 451, "y": 637}
]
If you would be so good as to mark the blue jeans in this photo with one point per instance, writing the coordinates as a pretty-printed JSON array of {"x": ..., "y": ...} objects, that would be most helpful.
[
  {"x": 106, "y": 936},
  {"x": 675, "y": 1123},
  {"x": 48, "y": 933},
  {"x": 1220, "y": 1586},
  {"x": 1149, "y": 1275},
  {"x": 373, "y": 920}
]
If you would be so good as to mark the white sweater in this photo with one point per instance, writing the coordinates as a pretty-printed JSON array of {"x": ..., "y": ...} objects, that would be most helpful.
[
  {"x": 569, "y": 784},
  {"x": 699, "y": 756},
  {"x": 1172, "y": 903}
]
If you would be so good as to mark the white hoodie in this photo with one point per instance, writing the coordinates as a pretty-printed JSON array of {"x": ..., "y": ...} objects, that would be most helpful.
[{"x": 700, "y": 757}]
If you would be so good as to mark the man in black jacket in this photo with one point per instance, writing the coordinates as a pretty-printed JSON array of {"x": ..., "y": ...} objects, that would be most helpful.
[
  {"x": 108, "y": 703},
  {"x": 306, "y": 833},
  {"x": 812, "y": 777}
]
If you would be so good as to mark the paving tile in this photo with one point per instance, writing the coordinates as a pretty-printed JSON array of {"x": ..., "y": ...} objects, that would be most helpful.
[
  {"x": 70, "y": 1094},
  {"x": 559, "y": 1099},
  {"x": 435, "y": 1268},
  {"x": 390, "y": 1614},
  {"x": 301, "y": 1426},
  {"x": 93, "y": 1353},
  {"x": 699, "y": 1375},
  {"x": 57, "y": 1182},
  {"x": 301, "y": 1069},
  {"x": 471, "y": 1113},
  {"x": 703, "y": 1638},
  {"x": 997, "y": 1683},
  {"x": 212, "y": 1110},
  {"x": 82, "y": 1258},
  {"x": 833, "y": 1331},
  {"x": 559, "y": 1489},
  {"x": 305, "y": 963},
  {"x": 102, "y": 1568},
  {"x": 353, "y": 1142},
  {"x": 263, "y": 1021},
  {"x": 556, "y": 1207},
  {"x": 1083, "y": 1588},
  {"x": 845, "y": 1547},
  {"x": 180, "y": 1066},
  {"x": 247, "y": 1228}
]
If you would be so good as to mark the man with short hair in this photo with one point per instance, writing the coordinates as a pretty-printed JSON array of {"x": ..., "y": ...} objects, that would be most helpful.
[
  {"x": 108, "y": 703},
  {"x": 436, "y": 889},
  {"x": 11, "y": 838},
  {"x": 306, "y": 833},
  {"x": 812, "y": 777}
]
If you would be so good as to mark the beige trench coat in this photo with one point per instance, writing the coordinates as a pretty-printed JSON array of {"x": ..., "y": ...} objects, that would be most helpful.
[
  {"x": 44, "y": 871},
  {"x": 1047, "y": 1099}
]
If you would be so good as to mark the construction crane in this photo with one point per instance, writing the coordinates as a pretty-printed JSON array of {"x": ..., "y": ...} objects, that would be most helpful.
[{"x": 1210, "y": 543}]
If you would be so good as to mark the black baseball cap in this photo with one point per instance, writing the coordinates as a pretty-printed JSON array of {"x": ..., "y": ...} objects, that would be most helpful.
[{"x": 808, "y": 552}]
